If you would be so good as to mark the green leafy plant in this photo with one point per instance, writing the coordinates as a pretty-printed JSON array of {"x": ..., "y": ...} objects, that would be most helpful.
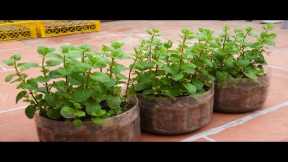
[
  {"x": 75, "y": 83},
  {"x": 161, "y": 70},
  {"x": 240, "y": 54}
]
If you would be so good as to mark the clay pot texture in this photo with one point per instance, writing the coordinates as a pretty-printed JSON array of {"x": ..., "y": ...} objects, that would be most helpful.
[
  {"x": 244, "y": 95},
  {"x": 123, "y": 127},
  {"x": 166, "y": 116}
]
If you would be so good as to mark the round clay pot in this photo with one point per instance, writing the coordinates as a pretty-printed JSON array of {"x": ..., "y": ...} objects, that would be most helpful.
[
  {"x": 166, "y": 116},
  {"x": 241, "y": 96},
  {"x": 123, "y": 127}
]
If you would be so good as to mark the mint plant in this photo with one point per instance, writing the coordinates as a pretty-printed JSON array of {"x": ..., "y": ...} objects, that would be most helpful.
[
  {"x": 161, "y": 70},
  {"x": 240, "y": 54},
  {"x": 75, "y": 84}
]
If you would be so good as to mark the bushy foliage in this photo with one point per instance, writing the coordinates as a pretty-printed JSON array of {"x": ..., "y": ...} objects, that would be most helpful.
[
  {"x": 161, "y": 70},
  {"x": 75, "y": 83},
  {"x": 240, "y": 54}
]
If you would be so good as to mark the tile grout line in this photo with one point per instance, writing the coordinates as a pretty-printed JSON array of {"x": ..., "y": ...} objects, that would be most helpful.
[
  {"x": 209, "y": 139},
  {"x": 236, "y": 122},
  {"x": 278, "y": 67},
  {"x": 12, "y": 109},
  {"x": 281, "y": 75}
]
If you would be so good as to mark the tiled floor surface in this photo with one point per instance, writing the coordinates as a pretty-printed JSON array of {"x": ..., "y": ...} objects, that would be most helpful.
[{"x": 268, "y": 124}]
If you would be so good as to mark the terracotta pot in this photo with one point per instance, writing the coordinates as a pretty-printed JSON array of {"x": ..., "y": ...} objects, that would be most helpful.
[
  {"x": 123, "y": 127},
  {"x": 241, "y": 96},
  {"x": 166, "y": 116}
]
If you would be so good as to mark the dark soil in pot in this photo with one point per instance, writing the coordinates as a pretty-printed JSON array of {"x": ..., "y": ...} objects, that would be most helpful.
[
  {"x": 123, "y": 127},
  {"x": 163, "y": 115},
  {"x": 241, "y": 96}
]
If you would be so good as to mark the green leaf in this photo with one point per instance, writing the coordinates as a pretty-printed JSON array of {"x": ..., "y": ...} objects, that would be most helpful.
[
  {"x": 103, "y": 78},
  {"x": 67, "y": 112},
  {"x": 77, "y": 105},
  {"x": 65, "y": 48},
  {"x": 85, "y": 47},
  {"x": 26, "y": 66},
  {"x": 190, "y": 88},
  {"x": 144, "y": 81},
  {"x": 208, "y": 62},
  {"x": 9, "y": 77},
  {"x": 77, "y": 123},
  {"x": 9, "y": 62},
  {"x": 174, "y": 69},
  {"x": 81, "y": 95},
  {"x": 94, "y": 109},
  {"x": 118, "y": 68},
  {"x": 198, "y": 84},
  {"x": 97, "y": 121},
  {"x": 61, "y": 72},
  {"x": 74, "y": 54},
  {"x": 251, "y": 74},
  {"x": 229, "y": 63},
  {"x": 79, "y": 113},
  {"x": 244, "y": 62},
  {"x": 31, "y": 84},
  {"x": 98, "y": 61},
  {"x": 188, "y": 68},
  {"x": 42, "y": 50},
  {"x": 20, "y": 95},
  {"x": 80, "y": 67},
  {"x": 114, "y": 102},
  {"x": 30, "y": 111},
  {"x": 178, "y": 76},
  {"x": 53, "y": 62},
  {"x": 117, "y": 44},
  {"x": 221, "y": 76},
  {"x": 168, "y": 44},
  {"x": 53, "y": 114},
  {"x": 16, "y": 56},
  {"x": 118, "y": 54}
]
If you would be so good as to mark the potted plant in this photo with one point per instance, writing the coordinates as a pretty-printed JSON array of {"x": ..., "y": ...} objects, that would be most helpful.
[
  {"x": 174, "y": 86},
  {"x": 77, "y": 96},
  {"x": 241, "y": 79}
]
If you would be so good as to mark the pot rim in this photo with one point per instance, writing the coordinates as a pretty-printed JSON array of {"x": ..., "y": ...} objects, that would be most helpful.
[
  {"x": 237, "y": 81},
  {"x": 209, "y": 92},
  {"x": 107, "y": 120}
]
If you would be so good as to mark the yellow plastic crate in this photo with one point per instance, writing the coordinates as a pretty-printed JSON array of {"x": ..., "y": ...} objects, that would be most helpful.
[
  {"x": 66, "y": 27},
  {"x": 18, "y": 30}
]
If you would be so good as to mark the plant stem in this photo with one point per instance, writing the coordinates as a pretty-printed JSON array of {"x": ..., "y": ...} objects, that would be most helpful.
[
  {"x": 87, "y": 78},
  {"x": 150, "y": 48},
  {"x": 242, "y": 47},
  {"x": 66, "y": 77},
  {"x": 111, "y": 66},
  {"x": 182, "y": 50},
  {"x": 45, "y": 74},
  {"x": 84, "y": 73},
  {"x": 129, "y": 77},
  {"x": 224, "y": 42},
  {"x": 31, "y": 93},
  {"x": 18, "y": 73}
]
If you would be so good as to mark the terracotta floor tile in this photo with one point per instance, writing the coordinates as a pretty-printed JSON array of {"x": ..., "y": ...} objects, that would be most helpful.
[
  {"x": 269, "y": 127},
  {"x": 278, "y": 56},
  {"x": 8, "y": 91},
  {"x": 202, "y": 140},
  {"x": 11, "y": 44},
  {"x": 27, "y": 54},
  {"x": 130, "y": 32},
  {"x": 15, "y": 126}
]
